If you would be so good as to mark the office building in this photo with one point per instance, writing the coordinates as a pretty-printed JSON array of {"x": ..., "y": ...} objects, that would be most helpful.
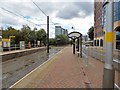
[
  {"x": 59, "y": 30},
  {"x": 98, "y": 31},
  {"x": 100, "y": 24}
]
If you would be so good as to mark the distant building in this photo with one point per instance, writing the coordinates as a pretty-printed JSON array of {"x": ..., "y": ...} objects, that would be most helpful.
[
  {"x": 59, "y": 30},
  {"x": 85, "y": 38},
  {"x": 65, "y": 31}
]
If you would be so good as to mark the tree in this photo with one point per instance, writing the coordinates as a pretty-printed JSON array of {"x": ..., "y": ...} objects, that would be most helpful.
[
  {"x": 91, "y": 33},
  {"x": 18, "y": 37},
  {"x": 10, "y": 31},
  {"x": 62, "y": 39},
  {"x": 52, "y": 41},
  {"x": 41, "y": 36},
  {"x": 25, "y": 31}
]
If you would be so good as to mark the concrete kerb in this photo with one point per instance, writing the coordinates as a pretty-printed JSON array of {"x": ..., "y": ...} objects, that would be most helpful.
[{"x": 46, "y": 63}]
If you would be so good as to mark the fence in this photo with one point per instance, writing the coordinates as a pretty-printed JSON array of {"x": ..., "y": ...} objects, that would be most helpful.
[
  {"x": 17, "y": 47},
  {"x": 99, "y": 54}
]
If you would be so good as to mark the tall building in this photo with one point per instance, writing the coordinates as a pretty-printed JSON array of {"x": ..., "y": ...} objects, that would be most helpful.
[
  {"x": 66, "y": 32},
  {"x": 59, "y": 30},
  {"x": 100, "y": 23},
  {"x": 98, "y": 31}
]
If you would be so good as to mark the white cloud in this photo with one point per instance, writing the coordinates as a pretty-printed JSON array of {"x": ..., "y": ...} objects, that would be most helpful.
[{"x": 68, "y": 14}]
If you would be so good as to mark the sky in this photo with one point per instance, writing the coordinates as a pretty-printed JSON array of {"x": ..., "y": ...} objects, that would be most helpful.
[{"x": 75, "y": 13}]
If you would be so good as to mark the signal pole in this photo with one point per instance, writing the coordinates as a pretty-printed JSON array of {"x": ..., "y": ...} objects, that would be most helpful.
[{"x": 108, "y": 78}]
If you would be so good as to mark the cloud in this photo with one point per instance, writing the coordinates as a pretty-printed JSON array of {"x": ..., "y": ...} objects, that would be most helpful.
[
  {"x": 75, "y": 10},
  {"x": 65, "y": 12}
]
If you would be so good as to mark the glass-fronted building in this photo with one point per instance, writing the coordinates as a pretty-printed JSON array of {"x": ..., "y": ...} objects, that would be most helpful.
[
  {"x": 116, "y": 18},
  {"x": 59, "y": 30}
]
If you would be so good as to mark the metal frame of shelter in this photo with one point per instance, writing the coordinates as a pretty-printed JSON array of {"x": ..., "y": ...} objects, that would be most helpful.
[{"x": 76, "y": 35}]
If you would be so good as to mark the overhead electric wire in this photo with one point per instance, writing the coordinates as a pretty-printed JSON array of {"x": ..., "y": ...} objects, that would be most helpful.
[
  {"x": 9, "y": 11},
  {"x": 42, "y": 12},
  {"x": 17, "y": 15},
  {"x": 39, "y": 8},
  {"x": 23, "y": 17}
]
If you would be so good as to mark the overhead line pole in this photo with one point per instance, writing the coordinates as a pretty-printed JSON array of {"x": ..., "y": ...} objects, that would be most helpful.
[
  {"x": 47, "y": 34},
  {"x": 47, "y": 24}
]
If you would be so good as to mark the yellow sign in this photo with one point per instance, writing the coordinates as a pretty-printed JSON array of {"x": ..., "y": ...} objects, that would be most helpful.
[
  {"x": 109, "y": 37},
  {"x": 5, "y": 40},
  {"x": 11, "y": 36},
  {"x": 0, "y": 43}
]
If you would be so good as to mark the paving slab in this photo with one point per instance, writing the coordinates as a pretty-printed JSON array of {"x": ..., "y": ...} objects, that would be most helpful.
[{"x": 65, "y": 70}]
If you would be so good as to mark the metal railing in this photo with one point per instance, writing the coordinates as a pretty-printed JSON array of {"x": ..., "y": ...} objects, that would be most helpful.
[
  {"x": 99, "y": 54},
  {"x": 17, "y": 47}
]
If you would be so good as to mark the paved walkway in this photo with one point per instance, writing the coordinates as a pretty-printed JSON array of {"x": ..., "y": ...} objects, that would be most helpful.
[{"x": 64, "y": 70}]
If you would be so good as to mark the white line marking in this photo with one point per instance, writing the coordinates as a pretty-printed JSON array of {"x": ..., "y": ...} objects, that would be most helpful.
[
  {"x": 117, "y": 86},
  {"x": 116, "y": 60}
]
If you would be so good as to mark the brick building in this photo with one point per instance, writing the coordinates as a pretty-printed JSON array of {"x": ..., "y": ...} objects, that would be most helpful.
[{"x": 100, "y": 23}]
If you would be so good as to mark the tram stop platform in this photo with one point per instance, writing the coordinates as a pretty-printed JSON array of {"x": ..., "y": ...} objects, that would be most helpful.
[{"x": 64, "y": 70}]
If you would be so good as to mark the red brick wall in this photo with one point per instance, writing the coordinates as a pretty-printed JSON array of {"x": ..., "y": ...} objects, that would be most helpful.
[{"x": 98, "y": 19}]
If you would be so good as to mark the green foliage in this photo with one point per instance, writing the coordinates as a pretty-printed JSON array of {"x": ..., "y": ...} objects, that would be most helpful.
[
  {"x": 62, "y": 39},
  {"x": 25, "y": 34},
  {"x": 52, "y": 41},
  {"x": 25, "y": 31},
  {"x": 41, "y": 36},
  {"x": 9, "y": 32},
  {"x": 91, "y": 33},
  {"x": 33, "y": 35}
]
